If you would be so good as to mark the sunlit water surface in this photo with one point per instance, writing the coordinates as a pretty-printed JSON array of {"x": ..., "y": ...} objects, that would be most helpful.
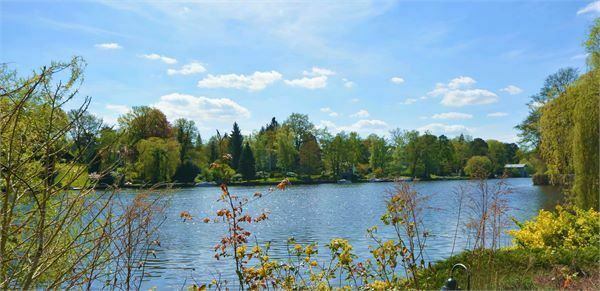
[{"x": 311, "y": 213}]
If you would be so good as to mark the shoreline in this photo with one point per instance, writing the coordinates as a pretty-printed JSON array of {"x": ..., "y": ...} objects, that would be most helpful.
[{"x": 274, "y": 183}]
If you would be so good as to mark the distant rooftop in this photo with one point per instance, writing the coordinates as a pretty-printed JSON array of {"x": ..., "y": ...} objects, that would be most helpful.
[{"x": 515, "y": 165}]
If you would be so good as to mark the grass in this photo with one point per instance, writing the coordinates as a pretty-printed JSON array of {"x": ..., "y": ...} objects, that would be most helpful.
[{"x": 522, "y": 269}]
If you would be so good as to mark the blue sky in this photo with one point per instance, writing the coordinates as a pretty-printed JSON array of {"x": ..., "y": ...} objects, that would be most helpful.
[{"x": 366, "y": 66}]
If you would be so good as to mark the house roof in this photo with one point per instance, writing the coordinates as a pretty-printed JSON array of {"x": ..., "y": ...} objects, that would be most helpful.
[{"x": 515, "y": 165}]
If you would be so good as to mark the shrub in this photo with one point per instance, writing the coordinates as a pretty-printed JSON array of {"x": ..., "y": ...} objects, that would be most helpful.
[
  {"x": 478, "y": 166},
  {"x": 540, "y": 179},
  {"x": 186, "y": 172},
  {"x": 568, "y": 228}
]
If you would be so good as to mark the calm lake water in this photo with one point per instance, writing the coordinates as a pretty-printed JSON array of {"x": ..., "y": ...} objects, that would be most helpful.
[{"x": 311, "y": 213}]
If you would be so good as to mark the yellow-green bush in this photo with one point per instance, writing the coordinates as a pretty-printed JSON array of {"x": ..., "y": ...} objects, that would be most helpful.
[{"x": 567, "y": 228}]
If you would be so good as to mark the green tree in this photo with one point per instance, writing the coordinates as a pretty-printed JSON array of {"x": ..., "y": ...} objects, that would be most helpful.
[
  {"x": 235, "y": 146},
  {"x": 185, "y": 133},
  {"x": 478, "y": 167},
  {"x": 310, "y": 156},
  {"x": 428, "y": 152},
  {"x": 497, "y": 155},
  {"x": 158, "y": 159},
  {"x": 286, "y": 151},
  {"x": 378, "y": 152},
  {"x": 478, "y": 147},
  {"x": 186, "y": 172},
  {"x": 569, "y": 139},
  {"x": 144, "y": 122},
  {"x": 247, "y": 164},
  {"x": 592, "y": 45},
  {"x": 445, "y": 155},
  {"x": 85, "y": 130},
  {"x": 554, "y": 86},
  {"x": 300, "y": 126},
  {"x": 461, "y": 153}
]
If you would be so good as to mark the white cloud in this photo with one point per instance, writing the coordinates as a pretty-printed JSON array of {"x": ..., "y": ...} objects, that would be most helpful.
[
  {"x": 497, "y": 114},
  {"x": 361, "y": 114},
  {"x": 188, "y": 69},
  {"x": 108, "y": 46},
  {"x": 164, "y": 59},
  {"x": 366, "y": 126},
  {"x": 354, "y": 100},
  {"x": 408, "y": 101},
  {"x": 200, "y": 109},
  {"x": 512, "y": 90},
  {"x": 329, "y": 112},
  {"x": 316, "y": 71},
  {"x": 452, "y": 115},
  {"x": 459, "y": 93},
  {"x": 580, "y": 56},
  {"x": 439, "y": 128},
  {"x": 256, "y": 81},
  {"x": 308, "y": 83},
  {"x": 593, "y": 7},
  {"x": 314, "y": 79},
  {"x": 347, "y": 83},
  {"x": 397, "y": 80},
  {"x": 461, "y": 82},
  {"x": 119, "y": 109}
]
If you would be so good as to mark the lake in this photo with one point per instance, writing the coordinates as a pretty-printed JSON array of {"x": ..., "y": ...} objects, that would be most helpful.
[{"x": 311, "y": 213}]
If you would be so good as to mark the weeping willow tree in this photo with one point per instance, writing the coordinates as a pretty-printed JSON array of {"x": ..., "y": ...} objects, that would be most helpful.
[{"x": 569, "y": 128}]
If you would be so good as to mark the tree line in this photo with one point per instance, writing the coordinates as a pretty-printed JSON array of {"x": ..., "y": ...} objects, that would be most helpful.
[{"x": 148, "y": 148}]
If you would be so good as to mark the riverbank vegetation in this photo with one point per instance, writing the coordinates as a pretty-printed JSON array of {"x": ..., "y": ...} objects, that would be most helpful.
[
  {"x": 57, "y": 232},
  {"x": 153, "y": 149}
]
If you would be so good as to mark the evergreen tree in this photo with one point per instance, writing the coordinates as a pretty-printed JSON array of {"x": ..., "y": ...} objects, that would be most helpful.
[
  {"x": 235, "y": 145},
  {"x": 247, "y": 166}
]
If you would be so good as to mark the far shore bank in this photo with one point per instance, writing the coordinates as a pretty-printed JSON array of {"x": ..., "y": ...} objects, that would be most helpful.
[{"x": 271, "y": 182}]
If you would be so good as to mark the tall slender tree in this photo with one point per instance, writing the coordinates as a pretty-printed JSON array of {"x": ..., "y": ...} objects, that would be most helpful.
[
  {"x": 247, "y": 165},
  {"x": 236, "y": 141}
]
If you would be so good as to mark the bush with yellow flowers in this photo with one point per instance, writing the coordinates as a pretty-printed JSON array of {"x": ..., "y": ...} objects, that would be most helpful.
[{"x": 567, "y": 228}]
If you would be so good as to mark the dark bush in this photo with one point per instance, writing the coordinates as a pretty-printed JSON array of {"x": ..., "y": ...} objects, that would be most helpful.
[
  {"x": 186, "y": 172},
  {"x": 540, "y": 179}
]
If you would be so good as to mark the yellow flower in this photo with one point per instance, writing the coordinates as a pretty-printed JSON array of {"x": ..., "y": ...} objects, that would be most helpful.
[
  {"x": 298, "y": 248},
  {"x": 379, "y": 285},
  {"x": 256, "y": 249},
  {"x": 241, "y": 251},
  {"x": 309, "y": 250},
  {"x": 313, "y": 263}
]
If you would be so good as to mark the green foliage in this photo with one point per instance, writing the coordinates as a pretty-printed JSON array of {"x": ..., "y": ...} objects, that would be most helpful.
[
  {"x": 478, "y": 147},
  {"x": 286, "y": 151},
  {"x": 300, "y": 126},
  {"x": 514, "y": 269},
  {"x": 158, "y": 159},
  {"x": 310, "y": 156},
  {"x": 186, "y": 172},
  {"x": 144, "y": 122},
  {"x": 569, "y": 132},
  {"x": 568, "y": 228},
  {"x": 554, "y": 86},
  {"x": 592, "y": 45},
  {"x": 479, "y": 166},
  {"x": 236, "y": 141},
  {"x": 586, "y": 144},
  {"x": 247, "y": 164},
  {"x": 185, "y": 134},
  {"x": 540, "y": 179}
]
